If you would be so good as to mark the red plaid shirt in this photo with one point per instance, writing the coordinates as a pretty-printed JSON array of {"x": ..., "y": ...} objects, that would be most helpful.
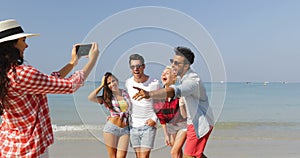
[
  {"x": 26, "y": 129},
  {"x": 116, "y": 112},
  {"x": 168, "y": 112}
]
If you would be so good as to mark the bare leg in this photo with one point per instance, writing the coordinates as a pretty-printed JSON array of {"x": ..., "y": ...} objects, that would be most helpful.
[
  {"x": 137, "y": 152},
  {"x": 145, "y": 152},
  {"x": 122, "y": 146},
  {"x": 176, "y": 150},
  {"x": 172, "y": 139},
  {"x": 111, "y": 144},
  {"x": 142, "y": 152}
]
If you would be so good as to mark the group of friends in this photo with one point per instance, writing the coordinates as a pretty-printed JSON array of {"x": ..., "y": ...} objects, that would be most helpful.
[{"x": 180, "y": 104}]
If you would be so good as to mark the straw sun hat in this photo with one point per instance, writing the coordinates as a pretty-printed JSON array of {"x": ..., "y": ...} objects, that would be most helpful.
[{"x": 11, "y": 30}]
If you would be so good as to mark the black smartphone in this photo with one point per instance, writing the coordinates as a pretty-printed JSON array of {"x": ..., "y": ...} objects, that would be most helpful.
[{"x": 83, "y": 50}]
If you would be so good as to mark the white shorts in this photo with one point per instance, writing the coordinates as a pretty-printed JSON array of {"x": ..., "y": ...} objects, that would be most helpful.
[{"x": 173, "y": 128}]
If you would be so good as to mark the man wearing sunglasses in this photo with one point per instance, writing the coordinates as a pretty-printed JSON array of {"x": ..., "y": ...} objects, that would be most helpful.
[
  {"x": 143, "y": 117},
  {"x": 200, "y": 120}
]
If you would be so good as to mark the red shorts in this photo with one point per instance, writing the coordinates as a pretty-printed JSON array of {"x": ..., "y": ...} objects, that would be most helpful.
[{"x": 193, "y": 145}]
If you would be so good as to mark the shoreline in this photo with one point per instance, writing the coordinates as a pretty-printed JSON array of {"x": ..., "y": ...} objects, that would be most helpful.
[{"x": 235, "y": 143}]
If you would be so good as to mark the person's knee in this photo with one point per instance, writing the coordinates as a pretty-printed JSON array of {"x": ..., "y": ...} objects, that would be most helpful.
[
  {"x": 145, "y": 154},
  {"x": 121, "y": 154},
  {"x": 174, "y": 152}
]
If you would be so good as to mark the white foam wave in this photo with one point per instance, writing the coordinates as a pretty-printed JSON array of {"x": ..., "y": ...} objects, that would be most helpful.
[{"x": 63, "y": 128}]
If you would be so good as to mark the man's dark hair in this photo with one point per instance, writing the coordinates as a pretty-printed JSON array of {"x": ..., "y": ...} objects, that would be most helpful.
[
  {"x": 136, "y": 57},
  {"x": 185, "y": 52}
]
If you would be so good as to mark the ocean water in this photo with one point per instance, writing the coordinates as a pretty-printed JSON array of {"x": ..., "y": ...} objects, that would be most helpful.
[{"x": 246, "y": 105}]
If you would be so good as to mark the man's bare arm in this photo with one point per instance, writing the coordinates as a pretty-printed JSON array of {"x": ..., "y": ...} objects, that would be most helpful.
[{"x": 158, "y": 94}]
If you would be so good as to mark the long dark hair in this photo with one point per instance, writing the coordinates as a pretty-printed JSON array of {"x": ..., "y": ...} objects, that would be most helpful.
[
  {"x": 9, "y": 59},
  {"x": 107, "y": 93}
]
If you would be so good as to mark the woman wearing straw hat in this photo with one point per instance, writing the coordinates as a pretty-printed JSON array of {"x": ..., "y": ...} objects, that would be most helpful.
[{"x": 26, "y": 129}]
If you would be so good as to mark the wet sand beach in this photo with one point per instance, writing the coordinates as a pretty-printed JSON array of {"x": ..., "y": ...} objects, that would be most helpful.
[{"x": 238, "y": 141}]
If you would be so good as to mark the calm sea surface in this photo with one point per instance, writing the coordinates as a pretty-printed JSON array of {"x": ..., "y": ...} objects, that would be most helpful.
[{"x": 246, "y": 105}]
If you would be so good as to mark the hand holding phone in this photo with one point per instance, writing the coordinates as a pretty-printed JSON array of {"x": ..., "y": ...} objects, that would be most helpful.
[{"x": 83, "y": 49}]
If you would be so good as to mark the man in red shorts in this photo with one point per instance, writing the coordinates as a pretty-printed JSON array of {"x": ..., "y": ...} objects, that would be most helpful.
[{"x": 200, "y": 120}]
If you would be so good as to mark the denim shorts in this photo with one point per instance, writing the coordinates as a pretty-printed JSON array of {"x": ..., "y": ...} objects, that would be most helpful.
[
  {"x": 142, "y": 136},
  {"x": 115, "y": 130}
]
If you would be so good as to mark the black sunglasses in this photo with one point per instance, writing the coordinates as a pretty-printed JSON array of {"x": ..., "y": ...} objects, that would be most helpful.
[
  {"x": 175, "y": 62},
  {"x": 136, "y": 66}
]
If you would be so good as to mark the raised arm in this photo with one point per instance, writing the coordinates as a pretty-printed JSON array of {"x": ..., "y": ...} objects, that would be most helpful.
[
  {"x": 158, "y": 94},
  {"x": 68, "y": 68},
  {"x": 31, "y": 81},
  {"x": 93, "y": 95},
  {"x": 93, "y": 55}
]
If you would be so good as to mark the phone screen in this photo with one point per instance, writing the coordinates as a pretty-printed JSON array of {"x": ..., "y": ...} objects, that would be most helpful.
[{"x": 83, "y": 50}]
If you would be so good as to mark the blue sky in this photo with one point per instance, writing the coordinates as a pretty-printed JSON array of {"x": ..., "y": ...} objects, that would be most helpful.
[{"x": 257, "y": 40}]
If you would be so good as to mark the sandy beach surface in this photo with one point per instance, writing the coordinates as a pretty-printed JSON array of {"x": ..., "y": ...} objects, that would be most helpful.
[{"x": 223, "y": 143}]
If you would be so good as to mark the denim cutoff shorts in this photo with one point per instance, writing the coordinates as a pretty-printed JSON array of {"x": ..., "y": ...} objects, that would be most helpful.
[
  {"x": 142, "y": 136},
  {"x": 115, "y": 130}
]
